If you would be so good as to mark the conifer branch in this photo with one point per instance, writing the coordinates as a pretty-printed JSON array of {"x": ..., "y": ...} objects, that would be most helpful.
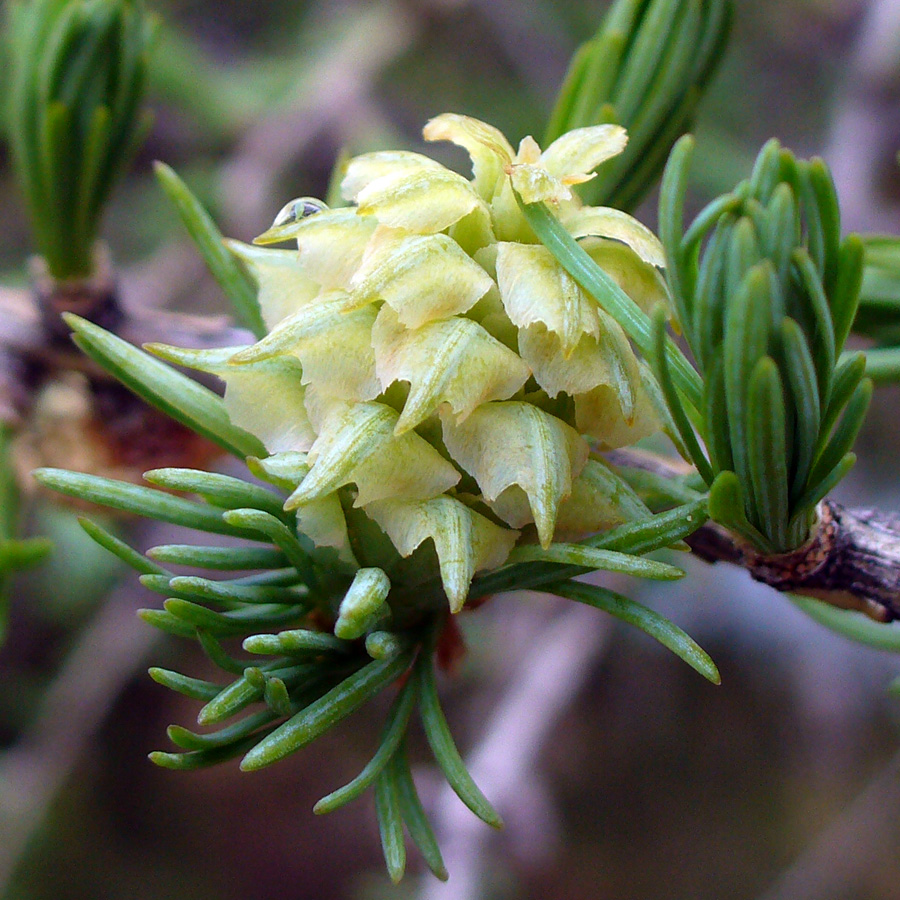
[{"x": 851, "y": 561}]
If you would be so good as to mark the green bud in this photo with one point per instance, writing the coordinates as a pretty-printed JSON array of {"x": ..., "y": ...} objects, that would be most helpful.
[
  {"x": 363, "y": 604},
  {"x": 75, "y": 116},
  {"x": 383, "y": 644},
  {"x": 767, "y": 291}
]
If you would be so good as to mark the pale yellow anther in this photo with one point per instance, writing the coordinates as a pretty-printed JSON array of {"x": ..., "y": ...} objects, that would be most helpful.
[
  {"x": 331, "y": 338},
  {"x": 266, "y": 398},
  {"x": 422, "y": 277},
  {"x": 603, "y": 222},
  {"x": 324, "y": 523},
  {"x": 465, "y": 541},
  {"x": 363, "y": 170},
  {"x": 598, "y": 414},
  {"x": 424, "y": 200},
  {"x": 315, "y": 318},
  {"x": 357, "y": 445},
  {"x": 534, "y": 184},
  {"x": 579, "y": 152},
  {"x": 640, "y": 280},
  {"x": 422, "y": 337},
  {"x": 489, "y": 150},
  {"x": 599, "y": 500},
  {"x": 603, "y": 360},
  {"x": 284, "y": 285},
  {"x": 453, "y": 361},
  {"x": 571, "y": 159},
  {"x": 516, "y": 445},
  {"x": 340, "y": 363},
  {"x": 536, "y": 288},
  {"x": 331, "y": 244},
  {"x": 529, "y": 152}
]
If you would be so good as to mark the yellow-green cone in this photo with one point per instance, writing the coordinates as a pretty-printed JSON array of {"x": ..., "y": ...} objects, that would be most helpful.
[{"x": 429, "y": 363}]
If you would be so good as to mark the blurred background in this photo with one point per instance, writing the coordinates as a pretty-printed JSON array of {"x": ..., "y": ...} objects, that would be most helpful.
[{"x": 620, "y": 772}]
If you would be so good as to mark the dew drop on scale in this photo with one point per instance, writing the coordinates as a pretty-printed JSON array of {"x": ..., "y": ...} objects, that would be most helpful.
[{"x": 300, "y": 208}]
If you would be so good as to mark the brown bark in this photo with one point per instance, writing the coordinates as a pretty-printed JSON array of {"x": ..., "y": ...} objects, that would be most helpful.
[
  {"x": 66, "y": 410},
  {"x": 852, "y": 559}
]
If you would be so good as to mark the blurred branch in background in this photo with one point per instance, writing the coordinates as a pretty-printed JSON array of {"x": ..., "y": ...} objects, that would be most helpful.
[
  {"x": 15, "y": 554},
  {"x": 862, "y": 146},
  {"x": 531, "y": 37},
  {"x": 335, "y": 94},
  {"x": 562, "y": 647},
  {"x": 71, "y": 711},
  {"x": 850, "y": 847}
]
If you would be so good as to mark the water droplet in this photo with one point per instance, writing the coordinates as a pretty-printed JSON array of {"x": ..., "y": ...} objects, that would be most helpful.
[{"x": 300, "y": 208}]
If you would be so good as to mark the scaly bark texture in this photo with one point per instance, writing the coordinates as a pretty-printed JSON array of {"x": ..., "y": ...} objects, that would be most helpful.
[{"x": 852, "y": 559}]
